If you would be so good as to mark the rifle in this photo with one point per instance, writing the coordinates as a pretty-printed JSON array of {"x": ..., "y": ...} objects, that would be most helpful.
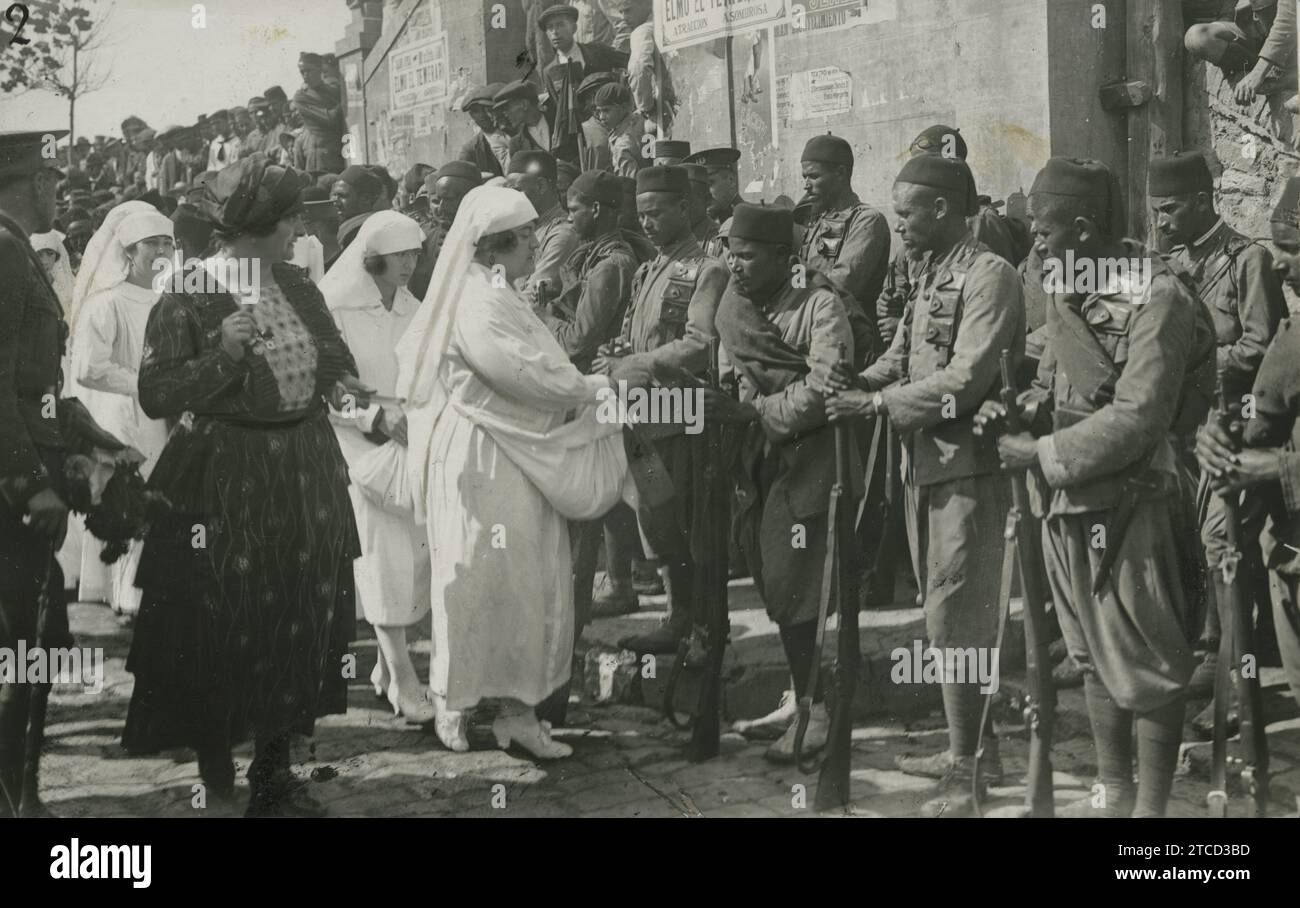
[
  {"x": 704, "y": 649},
  {"x": 1022, "y": 537},
  {"x": 1235, "y": 643},
  {"x": 839, "y": 584}
]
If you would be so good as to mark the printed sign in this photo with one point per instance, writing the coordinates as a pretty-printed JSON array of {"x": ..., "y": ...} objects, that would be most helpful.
[
  {"x": 417, "y": 65},
  {"x": 813, "y": 93},
  {"x": 833, "y": 15},
  {"x": 681, "y": 23}
]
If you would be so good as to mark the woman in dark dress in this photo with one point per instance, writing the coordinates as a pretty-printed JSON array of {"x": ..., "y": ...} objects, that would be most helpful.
[{"x": 248, "y": 601}]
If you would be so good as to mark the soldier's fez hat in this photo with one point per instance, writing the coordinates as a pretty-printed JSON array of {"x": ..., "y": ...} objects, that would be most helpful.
[
  {"x": 669, "y": 178},
  {"x": 599, "y": 186},
  {"x": 762, "y": 224},
  {"x": 1181, "y": 173}
]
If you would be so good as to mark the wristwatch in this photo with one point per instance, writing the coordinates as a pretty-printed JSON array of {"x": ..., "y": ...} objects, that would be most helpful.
[{"x": 878, "y": 402}]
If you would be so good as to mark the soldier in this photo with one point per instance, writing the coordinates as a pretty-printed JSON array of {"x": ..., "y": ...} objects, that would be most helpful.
[
  {"x": 724, "y": 180},
  {"x": 1234, "y": 278},
  {"x": 668, "y": 327},
  {"x": 704, "y": 228},
  {"x": 1116, "y": 389},
  {"x": 446, "y": 186},
  {"x": 597, "y": 285},
  {"x": 1270, "y": 462},
  {"x": 967, "y": 310},
  {"x": 670, "y": 151},
  {"x": 630, "y": 226},
  {"x": 770, "y": 325},
  {"x": 533, "y": 173}
]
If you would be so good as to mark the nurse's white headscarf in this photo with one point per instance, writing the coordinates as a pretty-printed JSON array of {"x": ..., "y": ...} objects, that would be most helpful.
[
  {"x": 347, "y": 285},
  {"x": 105, "y": 264},
  {"x": 61, "y": 275}
]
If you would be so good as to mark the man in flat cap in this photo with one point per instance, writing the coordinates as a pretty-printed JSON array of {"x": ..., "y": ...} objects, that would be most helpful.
[
  {"x": 704, "y": 227},
  {"x": 560, "y": 23},
  {"x": 533, "y": 174},
  {"x": 446, "y": 187},
  {"x": 668, "y": 329},
  {"x": 33, "y": 513},
  {"x": 1120, "y": 384},
  {"x": 479, "y": 150},
  {"x": 1234, "y": 278},
  {"x": 846, "y": 241},
  {"x": 771, "y": 326},
  {"x": 320, "y": 105},
  {"x": 612, "y": 106},
  {"x": 533, "y": 125},
  {"x": 930, "y": 384},
  {"x": 1269, "y": 464}
]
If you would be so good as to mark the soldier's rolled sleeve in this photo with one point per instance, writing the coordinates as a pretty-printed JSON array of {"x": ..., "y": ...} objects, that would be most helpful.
[
  {"x": 605, "y": 293},
  {"x": 691, "y": 351},
  {"x": 1261, "y": 306},
  {"x": 1145, "y": 402},
  {"x": 993, "y": 319},
  {"x": 796, "y": 408},
  {"x": 22, "y": 474}
]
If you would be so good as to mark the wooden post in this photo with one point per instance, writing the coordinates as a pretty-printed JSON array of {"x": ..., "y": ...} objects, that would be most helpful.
[
  {"x": 731, "y": 89},
  {"x": 1154, "y": 50}
]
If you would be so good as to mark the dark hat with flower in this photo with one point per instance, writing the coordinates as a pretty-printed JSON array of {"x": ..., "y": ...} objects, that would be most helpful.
[{"x": 252, "y": 193}]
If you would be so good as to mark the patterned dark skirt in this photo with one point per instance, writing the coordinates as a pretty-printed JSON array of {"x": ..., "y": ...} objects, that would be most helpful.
[{"x": 248, "y": 606}]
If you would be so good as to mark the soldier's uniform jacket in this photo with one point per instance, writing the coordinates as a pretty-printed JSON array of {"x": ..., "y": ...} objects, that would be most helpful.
[
  {"x": 597, "y": 280},
  {"x": 556, "y": 241},
  {"x": 674, "y": 298},
  {"x": 706, "y": 231},
  {"x": 851, "y": 247},
  {"x": 627, "y": 145},
  {"x": 1235, "y": 279},
  {"x": 1277, "y": 406},
  {"x": 946, "y": 359},
  {"x": 1122, "y": 374},
  {"x": 31, "y": 340}
]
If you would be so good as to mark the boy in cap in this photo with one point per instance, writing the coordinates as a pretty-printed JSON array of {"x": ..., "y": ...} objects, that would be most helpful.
[
  {"x": 1269, "y": 464},
  {"x": 627, "y": 146},
  {"x": 1234, "y": 278},
  {"x": 930, "y": 384},
  {"x": 1117, "y": 389},
  {"x": 771, "y": 326},
  {"x": 668, "y": 328},
  {"x": 533, "y": 174}
]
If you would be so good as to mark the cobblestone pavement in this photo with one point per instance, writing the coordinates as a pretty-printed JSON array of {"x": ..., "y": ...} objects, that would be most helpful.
[{"x": 627, "y": 762}]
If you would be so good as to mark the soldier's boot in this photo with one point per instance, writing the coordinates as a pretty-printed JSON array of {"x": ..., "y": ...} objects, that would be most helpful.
[
  {"x": 645, "y": 578},
  {"x": 1202, "y": 683},
  {"x": 814, "y": 739},
  {"x": 953, "y": 796},
  {"x": 936, "y": 766},
  {"x": 616, "y": 597},
  {"x": 1068, "y": 674},
  {"x": 774, "y": 723},
  {"x": 31, "y": 805},
  {"x": 665, "y": 639}
]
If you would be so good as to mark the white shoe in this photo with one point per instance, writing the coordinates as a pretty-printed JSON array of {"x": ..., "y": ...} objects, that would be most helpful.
[
  {"x": 449, "y": 725},
  {"x": 774, "y": 721},
  {"x": 530, "y": 734},
  {"x": 814, "y": 739},
  {"x": 379, "y": 679},
  {"x": 417, "y": 709}
]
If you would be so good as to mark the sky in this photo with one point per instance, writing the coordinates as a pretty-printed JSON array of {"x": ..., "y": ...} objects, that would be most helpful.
[{"x": 164, "y": 70}]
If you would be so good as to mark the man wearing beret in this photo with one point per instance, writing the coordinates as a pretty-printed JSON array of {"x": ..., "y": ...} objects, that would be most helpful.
[
  {"x": 479, "y": 150},
  {"x": 1118, "y": 387},
  {"x": 668, "y": 327},
  {"x": 533, "y": 174},
  {"x": 930, "y": 384},
  {"x": 1269, "y": 463},
  {"x": 770, "y": 326},
  {"x": 446, "y": 186},
  {"x": 612, "y": 106},
  {"x": 846, "y": 241},
  {"x": 1234, "y": 278},
  {"x": 320, "y": 104}
]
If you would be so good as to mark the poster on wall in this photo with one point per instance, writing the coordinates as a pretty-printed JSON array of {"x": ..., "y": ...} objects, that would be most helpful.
[
  {"x": 813, "y": 93},
  {"x": 683, "y": 23},
  {"x": 417, "y": 65},
  {"x": 834, "y": 15}
]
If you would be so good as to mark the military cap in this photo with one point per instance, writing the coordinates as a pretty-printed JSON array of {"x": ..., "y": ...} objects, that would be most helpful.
[
  {"x": 516, "y": 89},
  {"x": 1180, "y": 173},
  {"x": 1085, "y": 179},
  {"x": 599, "y": 186},
  {"x": 82, "y": 142},
  {"x": 309, "y": 59},
  {"x": 480, "y": 95},
  {"x": 696, "y": 173},
  {"x": 934, "y": 140},
  {"x": 724, "y": 158},
  {"x": 558, "y": 9},
  {"x": 1287, "y": 211},
  {"x": 762, "y": 224},
  {"x": 275, "y": 93},
  {"x": 595, "y": 81},
  {"x": 460, "y": 170},
  {"x": 219, "y": 114},
  {"x": 23, "y": 153},
  {"x": 363, "y": 178},
  {"x": 828, "y": 149},
  {"x": 668, "y": 178},
  {"x": 533, "y": 161},
  {"x": 612, "y": 93},
  {"x": 945, "y": 174},
  {"x": 672, "y": 148},
  {"x": 258, "y": 103}
]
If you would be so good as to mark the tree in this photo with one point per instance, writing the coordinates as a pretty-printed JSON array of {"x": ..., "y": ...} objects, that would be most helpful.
[{"x": 64, "y": 34}]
